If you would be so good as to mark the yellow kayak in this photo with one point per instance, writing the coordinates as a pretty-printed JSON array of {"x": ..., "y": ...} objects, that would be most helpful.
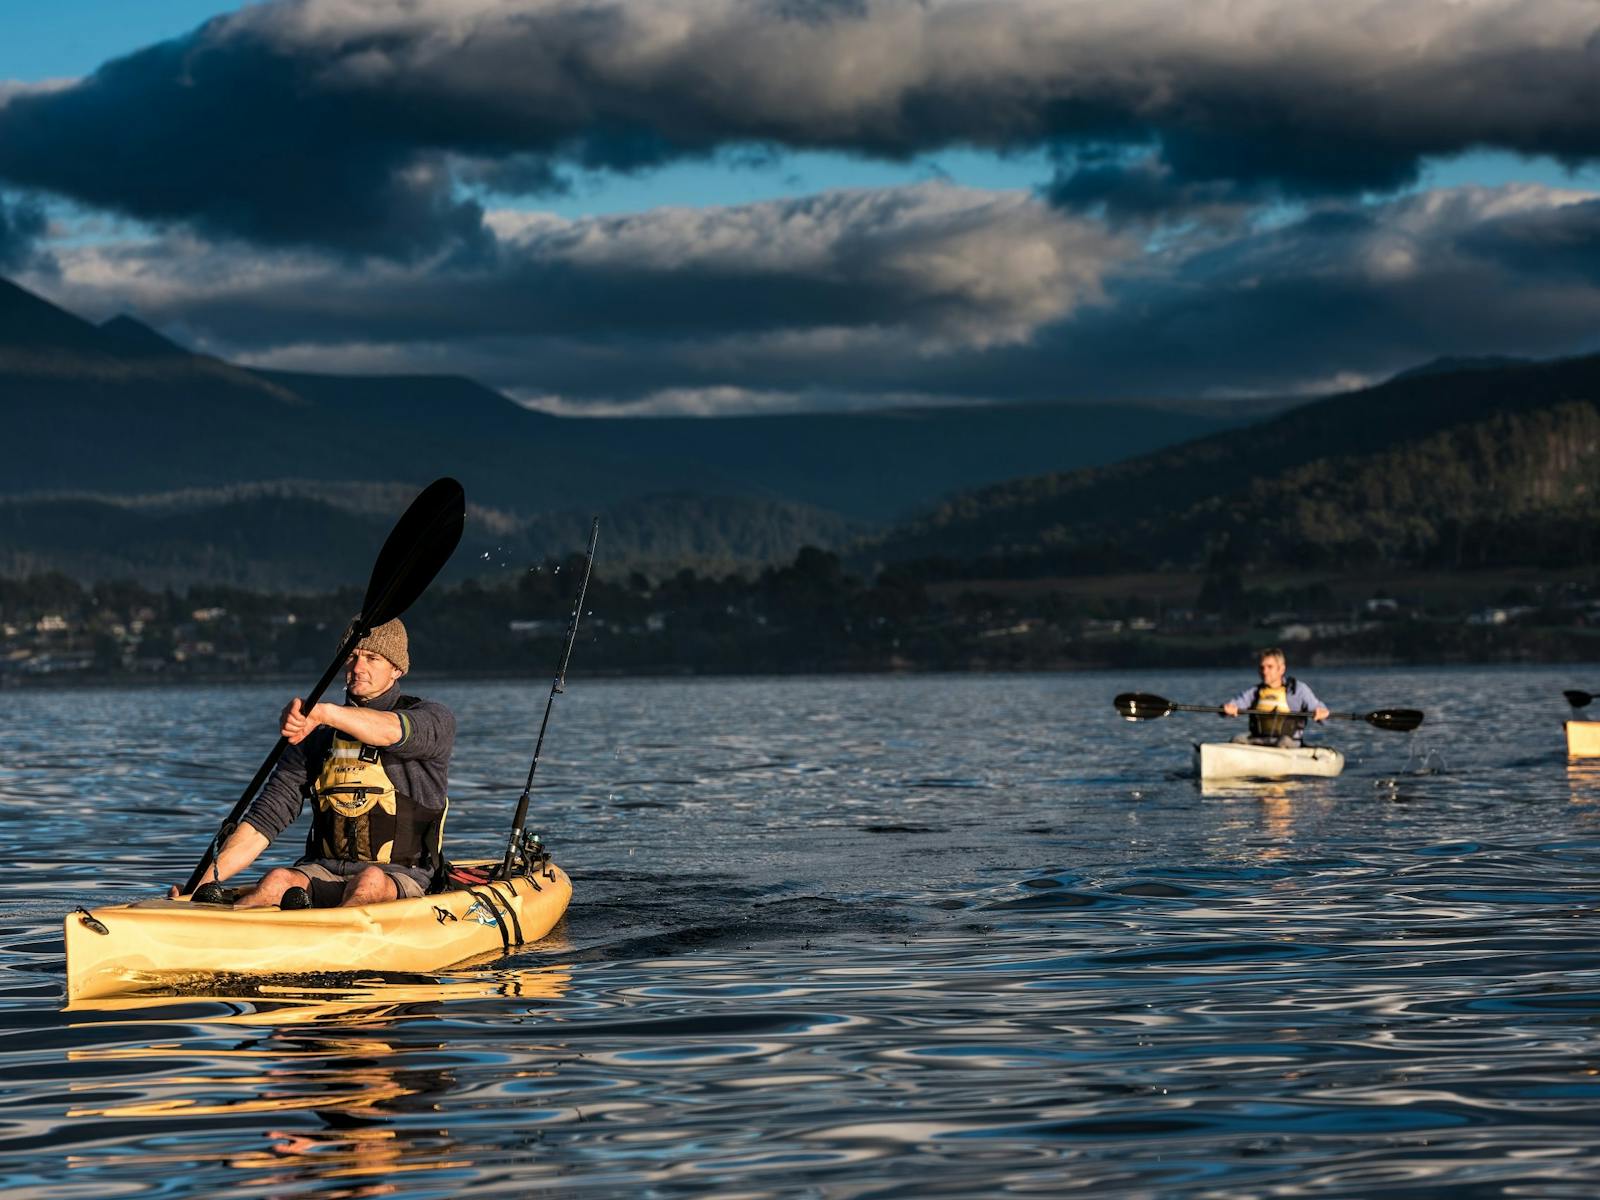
[{"x": 124, "y": 948}]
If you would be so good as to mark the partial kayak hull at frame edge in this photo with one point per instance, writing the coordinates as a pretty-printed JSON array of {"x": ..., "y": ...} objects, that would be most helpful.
[
  {"x": 1236, "y": 760},
  {"x": 161, "y": 942},
  {"x": 1583, "y": 739}
]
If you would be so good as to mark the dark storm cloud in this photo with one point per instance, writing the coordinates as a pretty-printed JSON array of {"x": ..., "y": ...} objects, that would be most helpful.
[
  {"x": 518, "y": 175},
  {"x": 1561, "y": 243},
  {"x": 22, "y": 225},
  {"x": 1340, "y": 297},
  {"x": 1146, "y": 189},
  {"x": 238, "y": 138},
  {"x": 879, "y": 297},
  {"x": 342, "y": 122},
  {"x": 922, "y": 270},
  {"x": 1337, "y": 299}
]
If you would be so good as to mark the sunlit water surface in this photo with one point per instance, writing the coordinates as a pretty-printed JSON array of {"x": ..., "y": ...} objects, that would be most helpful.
[{"x": 963, "y": 936}]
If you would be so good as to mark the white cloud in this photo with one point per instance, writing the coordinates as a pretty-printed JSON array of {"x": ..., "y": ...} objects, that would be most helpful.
[
  {"x": 12, "y": 89},
  {"x": 961, "y": 267},
  {"x": 730, "y": 402}
]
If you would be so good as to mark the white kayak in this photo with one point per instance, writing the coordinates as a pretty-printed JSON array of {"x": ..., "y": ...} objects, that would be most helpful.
[{"x": 1240, "y": 760}]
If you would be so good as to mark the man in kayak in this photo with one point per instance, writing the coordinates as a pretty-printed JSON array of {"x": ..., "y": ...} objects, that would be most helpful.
[
  {"x": 375, "y": 770},
  {"x": 1276, "y": 693}
]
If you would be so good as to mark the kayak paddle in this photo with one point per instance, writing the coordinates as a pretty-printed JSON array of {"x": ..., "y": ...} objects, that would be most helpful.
[
  {"x": 420, "y": 543},
  {"x": 1578, "y": 699},
  {"x": 1142, "y": 706}
]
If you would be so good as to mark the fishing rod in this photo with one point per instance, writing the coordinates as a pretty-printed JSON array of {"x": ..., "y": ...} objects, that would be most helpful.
[{"x": 519, "y": 842}]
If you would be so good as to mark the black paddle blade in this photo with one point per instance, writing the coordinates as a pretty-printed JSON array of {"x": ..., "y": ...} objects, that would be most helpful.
[
  {"x": 1578, "y": 699},
  {"x": 1141, "y": 706},
  {"x": 1401, "y": 720},
  {"x": 421, "y": 542}
]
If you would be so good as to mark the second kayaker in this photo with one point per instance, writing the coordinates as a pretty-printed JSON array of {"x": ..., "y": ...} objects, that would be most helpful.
[
  {"x": 1278, "y": 692},
  {"x": 375, "y": 769}
]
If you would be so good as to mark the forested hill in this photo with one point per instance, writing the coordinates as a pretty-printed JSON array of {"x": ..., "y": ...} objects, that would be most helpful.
[
  {"x": 117, "y": 416},
  {"x": 299, "y": 536},
  {"x": 1479, "y": 466}
]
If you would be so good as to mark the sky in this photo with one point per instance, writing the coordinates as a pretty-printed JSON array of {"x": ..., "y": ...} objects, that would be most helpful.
[{"x": 707, "y": 207}]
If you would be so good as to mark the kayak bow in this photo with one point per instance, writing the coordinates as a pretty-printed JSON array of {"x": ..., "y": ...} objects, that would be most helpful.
[{"x": 1241, "y": 760}]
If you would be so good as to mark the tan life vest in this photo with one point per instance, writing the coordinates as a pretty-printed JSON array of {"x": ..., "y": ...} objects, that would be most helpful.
[{"x": 358, "y": 814}]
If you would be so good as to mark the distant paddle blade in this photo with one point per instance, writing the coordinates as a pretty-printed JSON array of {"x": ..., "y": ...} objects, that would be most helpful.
[
  {"x": 421, "y": 542},
  {"x": 1578, "y": 699},
  {"x": 1400, "y": 720},
  {"x": 1141, "y": 706}
]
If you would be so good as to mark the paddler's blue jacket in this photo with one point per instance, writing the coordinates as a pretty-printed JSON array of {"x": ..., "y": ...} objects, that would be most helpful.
[
  {"x": 1299, "y": 697},
  {"x": 418, "y": 764}
]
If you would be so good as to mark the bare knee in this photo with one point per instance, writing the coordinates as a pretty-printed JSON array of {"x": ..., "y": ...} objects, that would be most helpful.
[
  {"x": 272, "y": 887},
  {"x": 369, "y": 886}
]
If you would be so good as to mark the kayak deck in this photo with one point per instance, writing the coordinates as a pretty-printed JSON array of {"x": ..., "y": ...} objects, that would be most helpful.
[
  {"x": 124, "y": 948},
  {"x": 1238, "y": 760}
]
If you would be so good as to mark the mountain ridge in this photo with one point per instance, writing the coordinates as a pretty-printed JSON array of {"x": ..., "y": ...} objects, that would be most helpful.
[{"x": 161, "y": 420}]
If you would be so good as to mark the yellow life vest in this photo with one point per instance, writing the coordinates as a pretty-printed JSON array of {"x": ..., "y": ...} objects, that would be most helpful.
[
  {"x": 358, "y": 815},
  {"x": 1274, "y": 700}
]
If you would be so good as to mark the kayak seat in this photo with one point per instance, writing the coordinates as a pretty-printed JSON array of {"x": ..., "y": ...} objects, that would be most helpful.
[
  {"x": 440, "y": 882},
  {"x": 456, "y": 878}
]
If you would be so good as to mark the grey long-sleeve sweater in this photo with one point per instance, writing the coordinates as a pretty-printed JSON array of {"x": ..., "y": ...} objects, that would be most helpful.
[{"x": 418, "y": 764}]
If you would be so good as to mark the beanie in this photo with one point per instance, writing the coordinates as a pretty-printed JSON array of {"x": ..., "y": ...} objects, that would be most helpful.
[{"x": 389, "y": 640}]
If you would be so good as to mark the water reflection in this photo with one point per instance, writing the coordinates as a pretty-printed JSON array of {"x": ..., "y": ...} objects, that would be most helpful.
[
  {"x": 347, "y": 1056},
  {"x": 1259, "y": 789},
  {"x": 371, "y": 999},
  {"x": 1583, "y": 780}
]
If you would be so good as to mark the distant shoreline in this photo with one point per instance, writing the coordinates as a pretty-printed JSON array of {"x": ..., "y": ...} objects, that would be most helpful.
[{"x": 291, "y": 682}]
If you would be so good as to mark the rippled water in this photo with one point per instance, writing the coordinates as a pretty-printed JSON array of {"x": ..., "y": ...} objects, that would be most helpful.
[{"x": 856, "y": 937}]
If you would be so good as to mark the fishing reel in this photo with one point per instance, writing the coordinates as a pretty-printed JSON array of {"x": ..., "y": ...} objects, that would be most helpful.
[{"x": 527, "y": 856}]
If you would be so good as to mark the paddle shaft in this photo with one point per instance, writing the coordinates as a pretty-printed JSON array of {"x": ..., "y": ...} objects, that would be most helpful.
[
  {"x": 1261, "y": 712},
  {"x": 556, "y": 688},
  {"x": 355, "y": 634}
]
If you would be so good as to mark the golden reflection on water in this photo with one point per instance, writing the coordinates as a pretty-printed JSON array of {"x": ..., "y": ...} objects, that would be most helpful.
[
  {"x": 1249, "y": 789},
  {"x": 1272, "y": 816},
  {"x": 346, "y": 1154},
  {"x": 320, "y": 1049},
  {"x": 359, "y": 1090},
  {"x": 352, "y": 1145},
  {"x": 1583, "y": 779},
  {"x": 1277, "y": 818},
  {"x": 291, "y": 1004}
]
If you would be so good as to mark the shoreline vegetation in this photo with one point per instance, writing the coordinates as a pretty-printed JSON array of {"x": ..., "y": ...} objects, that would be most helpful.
[{"x": 809, "y": 617}]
